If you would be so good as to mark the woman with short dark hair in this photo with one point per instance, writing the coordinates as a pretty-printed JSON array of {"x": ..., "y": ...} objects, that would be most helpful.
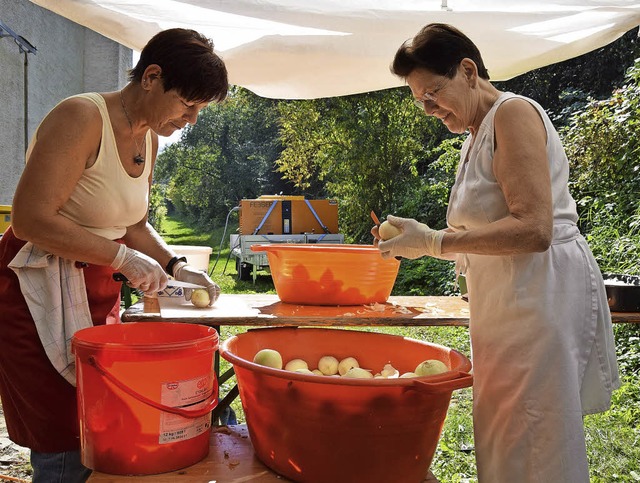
[
  {"x": 79, "y": 214},
  {"x": 541, "y": 336}
]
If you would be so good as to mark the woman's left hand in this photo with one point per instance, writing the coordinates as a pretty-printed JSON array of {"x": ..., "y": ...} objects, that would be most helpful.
[
  {"x": 415, "y": 240},
  {"x": 186, "y": 273}
]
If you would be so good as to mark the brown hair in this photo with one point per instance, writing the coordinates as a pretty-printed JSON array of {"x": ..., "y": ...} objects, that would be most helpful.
[
  {"x": 188, "y": 64},
  {"x": 438, "y": 48}
]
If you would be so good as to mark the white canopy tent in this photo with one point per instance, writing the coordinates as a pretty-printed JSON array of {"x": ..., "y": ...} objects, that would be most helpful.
[{"x": 303, "y": 49}]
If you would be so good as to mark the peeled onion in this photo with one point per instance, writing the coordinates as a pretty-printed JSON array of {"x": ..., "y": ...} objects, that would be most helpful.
[
  {"x": 431, "y": 367},
  {"x": 295, "y": 364},
  {"x": 346, "y": 364},
  {"x": 200, "y": 298},
  {"x": 269, "y": 358},
  {"x": 328, "y": 365}
]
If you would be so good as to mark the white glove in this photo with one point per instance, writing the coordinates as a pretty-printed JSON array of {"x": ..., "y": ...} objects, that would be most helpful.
[
  {"x": 186, "y": 273},
  {"x": 142, "y": 271},
  {"x": 415, "y": 241}
]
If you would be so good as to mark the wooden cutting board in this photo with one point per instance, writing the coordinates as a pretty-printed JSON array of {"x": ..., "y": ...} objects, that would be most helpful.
[{"x": 151, "y": 305}]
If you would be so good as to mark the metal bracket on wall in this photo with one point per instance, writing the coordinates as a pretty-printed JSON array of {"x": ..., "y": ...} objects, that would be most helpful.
[{"x": 23, "y": 44}]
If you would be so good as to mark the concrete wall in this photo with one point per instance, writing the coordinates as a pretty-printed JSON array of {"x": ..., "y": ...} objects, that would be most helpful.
[{"x": 70, "y": 59}]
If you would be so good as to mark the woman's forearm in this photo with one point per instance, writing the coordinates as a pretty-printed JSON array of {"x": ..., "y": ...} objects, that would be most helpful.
[{"x": 508, "y": 236}]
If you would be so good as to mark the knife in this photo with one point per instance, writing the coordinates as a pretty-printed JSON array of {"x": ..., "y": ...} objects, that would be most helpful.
[{"x": 120, "y": 277}]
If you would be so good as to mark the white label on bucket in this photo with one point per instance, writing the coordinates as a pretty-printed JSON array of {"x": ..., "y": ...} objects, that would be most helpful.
[{"x": 191, "y": 395}]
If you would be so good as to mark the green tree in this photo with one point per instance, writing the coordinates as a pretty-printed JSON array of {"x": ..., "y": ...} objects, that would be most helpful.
[
  {"x": 368, "y": 151},
  {"x": 565, "y": 87},
  {"x": 226, "y": 156},
  {"x": 603, "y": 145}
]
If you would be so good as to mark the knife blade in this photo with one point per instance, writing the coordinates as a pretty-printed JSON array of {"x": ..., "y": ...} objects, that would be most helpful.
[{"x": 120, "y": 277}]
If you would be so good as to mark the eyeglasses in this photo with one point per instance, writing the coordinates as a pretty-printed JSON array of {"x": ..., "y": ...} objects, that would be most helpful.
[{"x": 433, "y": 95}]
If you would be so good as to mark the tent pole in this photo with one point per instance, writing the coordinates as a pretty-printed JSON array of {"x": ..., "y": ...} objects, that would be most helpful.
[{"x": 26, "y": 100}]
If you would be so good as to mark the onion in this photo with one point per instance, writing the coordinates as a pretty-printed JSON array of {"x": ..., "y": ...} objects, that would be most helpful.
[{"x": 269, "y": 358}]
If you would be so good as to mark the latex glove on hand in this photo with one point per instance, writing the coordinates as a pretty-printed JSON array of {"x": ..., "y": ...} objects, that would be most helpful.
[
  {"x": 186, "y": 273},
  {"x": 142, "y": 271},
  {"x": 415, "y": 240}
]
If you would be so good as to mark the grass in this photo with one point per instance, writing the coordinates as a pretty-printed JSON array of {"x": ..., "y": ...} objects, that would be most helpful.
[{"x": 613, "y": 437}]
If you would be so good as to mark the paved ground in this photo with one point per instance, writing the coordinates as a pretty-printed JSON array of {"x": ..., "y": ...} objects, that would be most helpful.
[{"x": 14, "y": 459}]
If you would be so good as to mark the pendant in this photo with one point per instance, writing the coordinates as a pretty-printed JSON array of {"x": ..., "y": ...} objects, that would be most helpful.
[{"x": 138, "y": 159}]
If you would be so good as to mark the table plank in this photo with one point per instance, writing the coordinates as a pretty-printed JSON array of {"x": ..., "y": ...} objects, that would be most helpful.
[
  {"x": 268, "y": 310},
  {"x": 230, "y": 459}
]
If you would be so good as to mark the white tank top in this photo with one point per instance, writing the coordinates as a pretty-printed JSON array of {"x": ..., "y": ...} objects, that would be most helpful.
[{"x": 107, "y": 199}]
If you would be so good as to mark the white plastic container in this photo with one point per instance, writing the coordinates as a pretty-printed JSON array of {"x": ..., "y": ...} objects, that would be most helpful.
[{"x": 197, "y": 256}]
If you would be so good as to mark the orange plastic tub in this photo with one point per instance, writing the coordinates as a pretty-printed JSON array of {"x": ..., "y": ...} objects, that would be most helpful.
[
  {"x": 145, "y": 395},
  {"x": 330, "y": 274},
  {"x": 330, "y": 429}
]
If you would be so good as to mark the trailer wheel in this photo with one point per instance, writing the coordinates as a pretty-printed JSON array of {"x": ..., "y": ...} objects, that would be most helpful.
[{"x": 244, "y": 270}]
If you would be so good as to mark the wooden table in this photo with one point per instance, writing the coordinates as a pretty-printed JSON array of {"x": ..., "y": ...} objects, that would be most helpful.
[
  {"x": 231, "y": 459},
  {"x": 268, "y": 310}
]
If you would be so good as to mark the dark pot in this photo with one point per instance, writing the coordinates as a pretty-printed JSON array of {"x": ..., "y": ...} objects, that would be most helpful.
[{"x": 622, "y": 297}]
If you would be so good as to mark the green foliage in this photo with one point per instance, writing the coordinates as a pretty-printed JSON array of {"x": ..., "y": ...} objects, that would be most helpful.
[
  {"x": 367, "y": 150},
  {"x": 425, "y": 276},
  {"x": 603, "y": 145},
  {"x": 602, "y": 142},
  {"x": 565, "y": 87},
  {"x": 227, "y": 156},
  {"x": 195, "y": 180},
  {"x": 430, "y": 200},
  {"x": 612, "y": 437},
  {"x": 614, "y": 241},
  {"x": 157, "y": 206},
  {"x": 628, "y": 350}
]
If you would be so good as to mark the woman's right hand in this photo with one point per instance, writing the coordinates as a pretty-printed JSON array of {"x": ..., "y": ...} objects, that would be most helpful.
[{"x": 142, "y": 271}]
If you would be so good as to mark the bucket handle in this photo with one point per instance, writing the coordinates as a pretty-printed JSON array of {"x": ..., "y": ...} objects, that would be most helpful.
[
  {"x": 464, "y": 380},
  {"x": 194, "y": 413}
]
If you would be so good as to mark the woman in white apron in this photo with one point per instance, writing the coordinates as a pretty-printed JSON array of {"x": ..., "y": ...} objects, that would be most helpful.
[{"x": 542, "y": 341}]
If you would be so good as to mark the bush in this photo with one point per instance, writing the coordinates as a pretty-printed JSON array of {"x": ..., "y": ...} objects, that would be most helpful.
[{"x": 425, "y": 276}]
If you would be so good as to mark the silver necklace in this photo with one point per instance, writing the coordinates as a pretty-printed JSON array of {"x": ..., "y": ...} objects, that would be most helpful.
[{"x": 138, "y": 159}]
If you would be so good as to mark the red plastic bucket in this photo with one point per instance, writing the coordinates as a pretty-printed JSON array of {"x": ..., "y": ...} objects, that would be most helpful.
[
  {"x": 330, "y": 429},
  {"x": 145, "y": 395}
]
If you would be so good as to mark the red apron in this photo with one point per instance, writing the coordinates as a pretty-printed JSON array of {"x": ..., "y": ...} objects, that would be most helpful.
[{"x": 40, "y": 406}]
